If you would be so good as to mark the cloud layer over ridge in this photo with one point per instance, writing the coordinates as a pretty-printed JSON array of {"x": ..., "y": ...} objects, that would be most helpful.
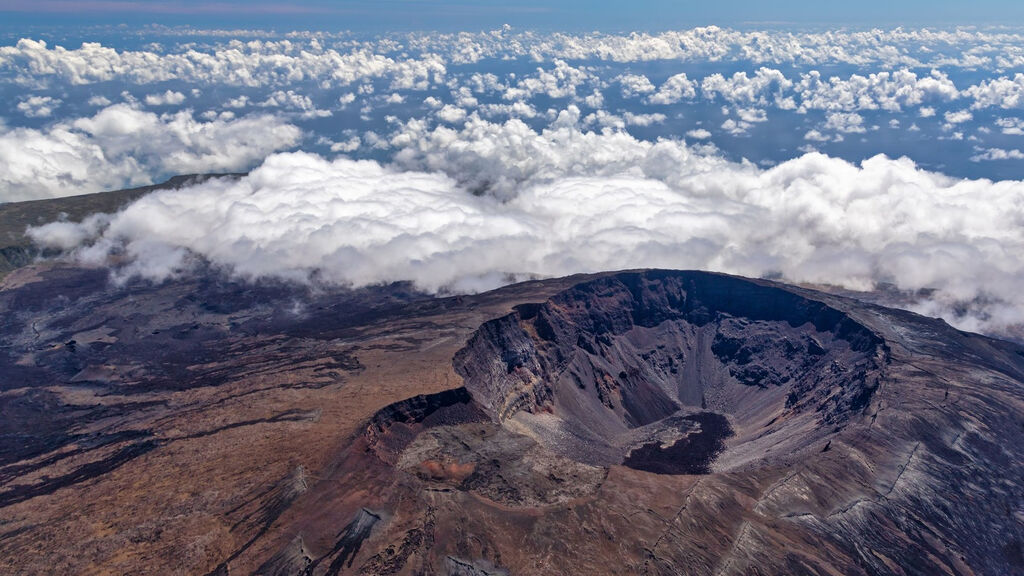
[
  {"x": 122, "y": 145},
  {"x": 468, "y": 208}
]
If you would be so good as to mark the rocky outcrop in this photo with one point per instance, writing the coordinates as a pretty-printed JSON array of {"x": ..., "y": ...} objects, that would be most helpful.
[{"x": 394, "y": 427}]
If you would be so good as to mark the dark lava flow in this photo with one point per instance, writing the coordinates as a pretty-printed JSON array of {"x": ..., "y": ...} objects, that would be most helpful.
[{"x": 692, "y": 454}]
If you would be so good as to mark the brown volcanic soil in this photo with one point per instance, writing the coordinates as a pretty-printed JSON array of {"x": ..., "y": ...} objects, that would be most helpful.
[{"x": 643, "y": 422}]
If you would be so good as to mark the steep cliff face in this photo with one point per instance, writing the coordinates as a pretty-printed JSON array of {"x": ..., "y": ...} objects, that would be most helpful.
[{"x": 609, "y": 365}]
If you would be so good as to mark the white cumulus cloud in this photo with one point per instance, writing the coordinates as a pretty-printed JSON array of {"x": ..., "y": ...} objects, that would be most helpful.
[
  {"x": 632, "y": 119},
  {"x": 849, "y": 122},
  {"x": 1000, "y": 92},
  {"x": 168, "y": 98},
  {"x": 634, "y": 85},
  {"x": 891, "y": 91},
  {"x": 122, "y": 145},
  {"x": 1011, "y": 126},
  {"x": 676, "y": 88},
  {"x": 38, "y": 106},
  {"x": 988, "y": 154},
  {"x": 959, "y": 116},
  {"x": 766, "y": 87}
]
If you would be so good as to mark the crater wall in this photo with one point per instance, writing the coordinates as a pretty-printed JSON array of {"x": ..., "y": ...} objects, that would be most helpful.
[{"x": 611, "y": 365}]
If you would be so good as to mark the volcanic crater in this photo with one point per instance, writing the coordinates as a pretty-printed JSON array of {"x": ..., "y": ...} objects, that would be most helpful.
[{"x": 661, "y": 372}]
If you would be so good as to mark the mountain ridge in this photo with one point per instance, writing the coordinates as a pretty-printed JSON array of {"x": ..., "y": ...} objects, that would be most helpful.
[{"x": 337, "y": 431}]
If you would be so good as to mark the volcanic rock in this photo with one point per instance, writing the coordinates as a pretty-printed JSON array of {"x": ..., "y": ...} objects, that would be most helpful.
[{"x": 641, "y": 422}]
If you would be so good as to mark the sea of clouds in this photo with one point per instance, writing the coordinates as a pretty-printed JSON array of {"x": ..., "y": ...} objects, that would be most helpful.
[
  {"x": 500, "y": 201},
  {"x": 461, "y": 162}
]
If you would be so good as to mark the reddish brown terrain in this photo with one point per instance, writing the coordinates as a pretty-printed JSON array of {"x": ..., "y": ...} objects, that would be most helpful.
[{"x": 648, "y": 422}]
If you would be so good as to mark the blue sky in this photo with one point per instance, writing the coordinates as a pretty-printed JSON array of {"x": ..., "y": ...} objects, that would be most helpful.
[{"x": 378, "y": 15}]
